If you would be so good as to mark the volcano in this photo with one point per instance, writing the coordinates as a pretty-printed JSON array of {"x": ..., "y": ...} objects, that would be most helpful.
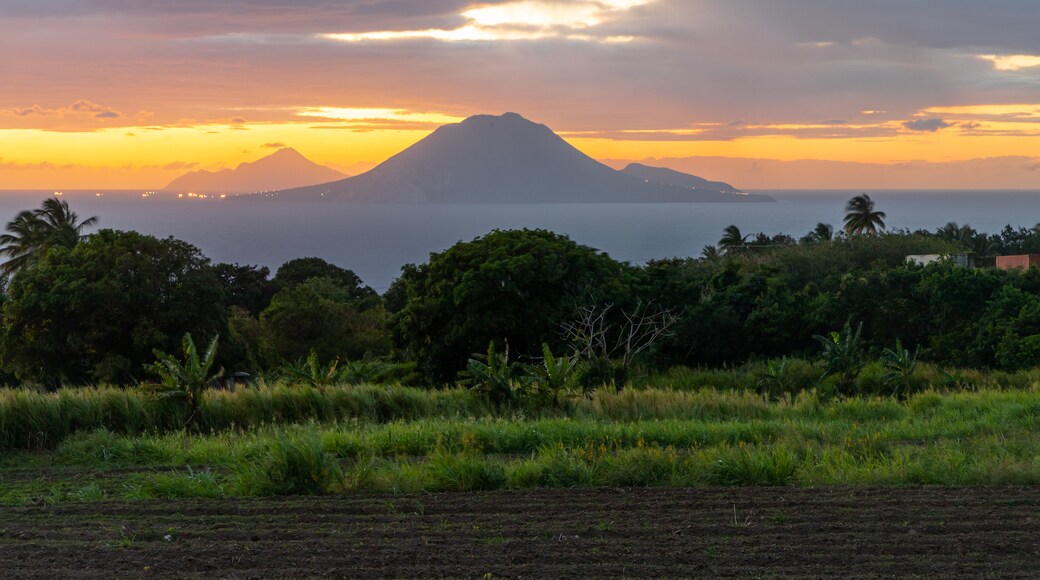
[
  {"x": 282, "y": 169},
  {"x": 502, "y": 159}
]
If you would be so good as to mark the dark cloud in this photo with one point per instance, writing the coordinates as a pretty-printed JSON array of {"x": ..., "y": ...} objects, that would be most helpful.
[
  {"x": 273, "y": 145},
  {"x": 695, "y": 61},
  {"x": 929, "y": 125}
]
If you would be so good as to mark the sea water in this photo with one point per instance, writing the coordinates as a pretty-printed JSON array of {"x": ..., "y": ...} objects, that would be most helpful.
[{"x": 375, "y": 240}]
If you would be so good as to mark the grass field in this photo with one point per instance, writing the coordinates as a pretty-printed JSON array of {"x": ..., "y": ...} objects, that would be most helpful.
[
  {"x": 400, "y": 440},
  {"x": 376, "y": 481}
]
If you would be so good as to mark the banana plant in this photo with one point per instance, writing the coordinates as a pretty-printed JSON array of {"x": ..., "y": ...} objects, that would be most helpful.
[
  {"x": 494, "y": 377},
  {"x": 557, "y": 375},
  {"x": 774, "y": 380},
  {"x": 186, "y": 378},
  {"x": 842, "y": 354},
  {"x": 312, "y": 372},
  {"x": 899, "y": 365}
]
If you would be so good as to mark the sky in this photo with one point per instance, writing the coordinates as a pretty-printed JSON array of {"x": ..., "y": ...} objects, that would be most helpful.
[{"x": 765, "y": 94}]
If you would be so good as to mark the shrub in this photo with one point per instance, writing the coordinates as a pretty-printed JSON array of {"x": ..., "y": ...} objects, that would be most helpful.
[
  {"x": 746, "y": 466},
  {"x": 298, "y": 466},
  {"x": 464, "y": 472}
]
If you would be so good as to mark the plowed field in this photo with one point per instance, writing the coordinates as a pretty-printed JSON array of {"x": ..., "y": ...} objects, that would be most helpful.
[{"x": 757, "y": 532}]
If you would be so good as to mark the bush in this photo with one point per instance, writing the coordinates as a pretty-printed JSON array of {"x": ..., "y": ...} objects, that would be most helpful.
[
  {"x": 464, "y": 472},
  {"x": 745, "y": 466},
  {"x": 298, "y": 466}
]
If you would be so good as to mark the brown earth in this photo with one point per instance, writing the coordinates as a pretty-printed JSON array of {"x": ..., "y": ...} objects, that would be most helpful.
[{"x": 933, "y": 532}]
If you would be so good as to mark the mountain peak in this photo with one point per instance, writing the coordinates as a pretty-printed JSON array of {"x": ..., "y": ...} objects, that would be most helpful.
[
  {"x": 282, "y": 169},
  {"x": 506, "y": 117},
  {"x": 285, "y": 152}
]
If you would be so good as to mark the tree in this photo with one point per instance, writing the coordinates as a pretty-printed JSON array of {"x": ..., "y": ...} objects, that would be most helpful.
[
  {"x": 186, "y": 379},
  {"x": 247, "y": 287},
  {"x": 732, "y": 239},
  {"x": 515, "y": 286},
  {"x": 821, "y": 233},
  {"x": 597, "y": 334},
  {"x": 963, "y": 235},
  {"x": 842, "y": 355},
  {"x": 300, "y": 270},
  {"x": 861, "y": 218},
  {"x": 31, "y": 233},
  {"x": 710, "y": 253},
  {"x": 95, "y": 312},
  {"x": 321, "y": 316}
]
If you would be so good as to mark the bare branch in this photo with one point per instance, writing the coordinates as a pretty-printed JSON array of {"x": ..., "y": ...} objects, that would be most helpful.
[{"x": 594, "y": 335}]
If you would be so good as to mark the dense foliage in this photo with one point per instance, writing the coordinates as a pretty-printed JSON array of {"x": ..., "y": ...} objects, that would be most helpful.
[
  {"x": 324, "y": 316},
  {"x": 95, "y": 312},
  {"x": 515, "y": 287},
  {"x": 83, "y": 309}
]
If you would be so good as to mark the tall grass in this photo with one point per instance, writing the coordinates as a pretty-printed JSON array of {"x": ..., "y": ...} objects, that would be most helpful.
[
  {"x": 735, "y": 438},
  {"x": 760, "y": 391},
  {"x": 40, "y": 420}
]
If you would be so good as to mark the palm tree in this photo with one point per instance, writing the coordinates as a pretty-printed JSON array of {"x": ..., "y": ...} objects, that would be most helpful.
[
  {"x": 860, "y": 217},
  {"x": 732, "y": 239},
  {"x": 62, "y": 224},
  {"x": 31, "y": 233},
  {"x": 963, "y": 235},
  {"x": 21, "y": 243},
  {"x": 821, "y": 233},
  {"x": 983, "y": 245},
  {"x": 710, "y": 253}
]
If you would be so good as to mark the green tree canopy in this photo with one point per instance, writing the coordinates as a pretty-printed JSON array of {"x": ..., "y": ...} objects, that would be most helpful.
[
  {"x": 95, "y": 312},
  {"x": 247, "y": 287},
  {"x": 322, "y": 315},
  {"x": 300, "y": 270},
  {"x": 516, "y": 285}
]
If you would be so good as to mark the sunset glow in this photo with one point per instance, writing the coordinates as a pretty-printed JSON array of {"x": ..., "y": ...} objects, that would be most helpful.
[{"x": 205, "y": 87}]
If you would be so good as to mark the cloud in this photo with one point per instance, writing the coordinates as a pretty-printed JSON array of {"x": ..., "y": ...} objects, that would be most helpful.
[
  {"x": 1012, "y": 62},
  {"x": 516, "y": 20},
  {"x": 929, "y": 125},
  {"x": 353, "y": 114},
  {"x": 77, "y": 110},
  {"x": 272, "y": 145},
  {"x": 33, "y": 110}
]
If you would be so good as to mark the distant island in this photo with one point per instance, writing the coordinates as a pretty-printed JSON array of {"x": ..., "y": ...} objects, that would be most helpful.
[
  {"x": 508, "y": 159},
  {"x": 282, "y": 169}
]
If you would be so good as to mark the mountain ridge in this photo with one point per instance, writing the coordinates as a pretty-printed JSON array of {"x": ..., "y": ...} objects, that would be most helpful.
[
  {"x": 499, "y": 159},
  {"x": 668, "y": 176}
]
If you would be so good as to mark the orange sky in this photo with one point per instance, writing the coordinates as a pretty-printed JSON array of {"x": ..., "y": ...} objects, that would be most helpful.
[{"x": 113, "y": 96}]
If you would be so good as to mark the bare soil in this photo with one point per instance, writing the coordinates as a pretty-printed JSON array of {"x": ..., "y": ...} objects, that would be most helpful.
[{"x": 933, "y": 532}]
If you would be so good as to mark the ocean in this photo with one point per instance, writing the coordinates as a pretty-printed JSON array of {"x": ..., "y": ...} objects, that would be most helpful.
[{"x": 375, "y": 240}]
